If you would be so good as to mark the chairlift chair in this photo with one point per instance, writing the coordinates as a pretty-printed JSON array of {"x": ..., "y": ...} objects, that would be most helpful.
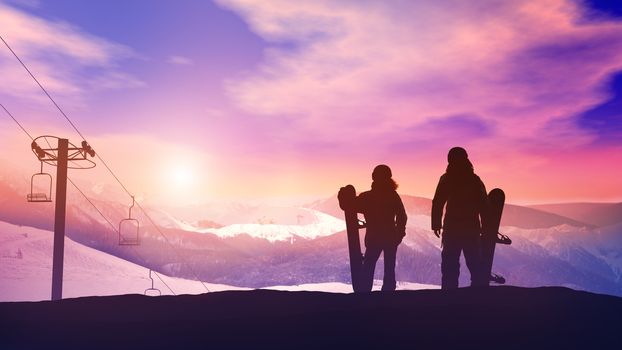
[
  {"x": 152, "y": 291},
  {"x": 38, "y": 197},
  {"x": 129, "y": 229}
]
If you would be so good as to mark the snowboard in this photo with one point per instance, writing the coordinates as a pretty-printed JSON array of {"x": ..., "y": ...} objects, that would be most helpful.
[
  {"x": 490, "y": 234},
  {"x": 347, "y": 198}
]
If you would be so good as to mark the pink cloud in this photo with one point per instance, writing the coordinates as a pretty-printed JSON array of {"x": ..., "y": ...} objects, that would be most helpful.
[
  {"x": 57, "y": 52},
  {"x": 180, "y": 60},
  {"x": 375, "y": 68}
]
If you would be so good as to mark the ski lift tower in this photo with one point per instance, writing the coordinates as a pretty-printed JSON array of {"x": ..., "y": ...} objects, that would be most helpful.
[{"x": 60, "y": 157}]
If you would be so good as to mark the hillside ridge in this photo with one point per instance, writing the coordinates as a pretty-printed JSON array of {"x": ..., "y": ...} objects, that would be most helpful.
[{"x": 468, "y": 317}]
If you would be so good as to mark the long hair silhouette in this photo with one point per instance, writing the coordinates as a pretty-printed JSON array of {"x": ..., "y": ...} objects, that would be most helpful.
[{"x": 382, "y": 178}]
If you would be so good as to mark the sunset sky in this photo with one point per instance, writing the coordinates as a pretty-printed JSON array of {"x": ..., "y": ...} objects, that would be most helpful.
[{"x": 190, "y": 101}]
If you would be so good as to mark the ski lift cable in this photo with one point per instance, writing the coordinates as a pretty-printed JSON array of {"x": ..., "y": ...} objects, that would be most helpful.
[
  {"x": 115, "y": 230},
  {"x": 88, "y": 200},
  {"x": 25, "y": 131},
  {"x": 172, "y": 246},
  {"x": 41, "y": 86},
  {"x": 73, "y": 162},
  {"x": 101, "y": 160},
  {"x": 157, "y": 274},
  {"x": 161, "y": 280},
  {"x": 15, "y": 120},
  {"x": 144, "y": 261},
  {"x": 60, "y": 110},
  {"x": 152, "y": 288},
  {"x": 113, "y": 227}
]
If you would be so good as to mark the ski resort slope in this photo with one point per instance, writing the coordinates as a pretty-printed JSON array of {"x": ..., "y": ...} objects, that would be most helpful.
[{"x": 26, "y": 271}]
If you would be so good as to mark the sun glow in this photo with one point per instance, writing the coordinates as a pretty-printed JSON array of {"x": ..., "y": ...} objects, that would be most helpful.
[{"x": 181, "y": 176}]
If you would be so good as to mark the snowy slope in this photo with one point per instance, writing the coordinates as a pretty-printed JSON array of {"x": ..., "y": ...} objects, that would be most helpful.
[
  {"x": 338, "y": 287},
  {"x": 26, "y": 271}
]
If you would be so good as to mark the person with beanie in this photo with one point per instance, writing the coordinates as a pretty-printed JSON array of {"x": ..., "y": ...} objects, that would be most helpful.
[
  {"x": 385, "y": 218},
  {"x": 463, "y": 196}
]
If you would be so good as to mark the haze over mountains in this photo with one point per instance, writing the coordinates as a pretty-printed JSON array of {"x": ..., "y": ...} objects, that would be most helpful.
[
  {"x": 263, "y": 245},
  {"x": 597, "y": 214}
]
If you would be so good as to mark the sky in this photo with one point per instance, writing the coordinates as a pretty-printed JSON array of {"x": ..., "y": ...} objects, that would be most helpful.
[{"x": 192, "y": 101}]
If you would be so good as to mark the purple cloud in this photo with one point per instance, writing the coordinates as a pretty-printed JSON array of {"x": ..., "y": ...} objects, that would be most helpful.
[{"x": 519, "y": 64}]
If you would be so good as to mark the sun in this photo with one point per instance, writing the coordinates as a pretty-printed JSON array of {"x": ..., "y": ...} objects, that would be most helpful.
[
  {"x": 181, "y": 179},
  {"x": 181, "y": 176}
]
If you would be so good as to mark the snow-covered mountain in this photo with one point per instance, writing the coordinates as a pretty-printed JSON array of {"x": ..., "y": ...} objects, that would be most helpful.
[
  {"x": 26, "y": 272},
  {"x": 273, "y": 223},
  {"x": 513, "y": 215},
  {"x": 597, "y": 214},
  {"x": 261, "y": 245}
]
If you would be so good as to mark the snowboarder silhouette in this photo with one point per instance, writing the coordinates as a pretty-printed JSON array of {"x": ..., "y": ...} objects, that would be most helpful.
[
  {"x": 465, "y": 195},
  {"x": 385, "y": 226}
]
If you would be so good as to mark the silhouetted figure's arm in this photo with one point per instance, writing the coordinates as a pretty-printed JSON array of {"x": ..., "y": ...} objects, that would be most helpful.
[
  {"x": 438, "y": 203},
  {"x": 400, "y": 217},
  {"x": 359, "y": 203}
]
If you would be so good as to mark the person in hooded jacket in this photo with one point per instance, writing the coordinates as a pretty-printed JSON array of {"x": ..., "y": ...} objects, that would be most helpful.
[
  {"x": 385, "y": 218},
  {"x": 463, "y": 196}
]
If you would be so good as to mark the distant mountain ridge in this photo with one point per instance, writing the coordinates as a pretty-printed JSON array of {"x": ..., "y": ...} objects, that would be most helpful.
[
  {"x": 596, "y": 214},
  {"x": 513, "y": 215},
  {"x": 272, "y": 245}
]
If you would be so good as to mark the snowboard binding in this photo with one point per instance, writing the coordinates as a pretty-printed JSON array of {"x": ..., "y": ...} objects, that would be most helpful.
[
  {"x": 498, "y": 279},
  {"x": 503, "y": 239}
]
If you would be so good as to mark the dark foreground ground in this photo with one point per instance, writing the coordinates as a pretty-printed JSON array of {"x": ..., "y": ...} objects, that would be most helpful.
[{"x": 500, "y": 317}]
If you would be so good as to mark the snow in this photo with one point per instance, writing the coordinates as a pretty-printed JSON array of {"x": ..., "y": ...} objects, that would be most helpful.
[
  {"x": 317, "y": 224},
  {"x": 419, "y": 221},
  {"x": 86, "y": 271},
  {"x": 338, "y": 287},
  {"x": 26, "y": 271}
]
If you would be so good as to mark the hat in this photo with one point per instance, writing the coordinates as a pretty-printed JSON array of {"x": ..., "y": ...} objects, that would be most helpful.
[
  {"x": 457, "y": 153},
  {"x": 381, "y": 172}
]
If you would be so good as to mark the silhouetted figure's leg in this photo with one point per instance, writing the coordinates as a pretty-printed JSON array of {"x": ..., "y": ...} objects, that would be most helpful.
[
  {"x": 369, "y": 266},
  {"x": 450, "y": 263},
  {"x": 388, "y": 281},
  {"x": 472, "y": 256}
]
